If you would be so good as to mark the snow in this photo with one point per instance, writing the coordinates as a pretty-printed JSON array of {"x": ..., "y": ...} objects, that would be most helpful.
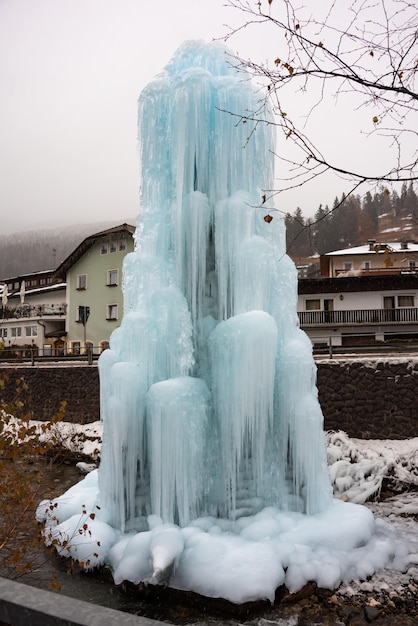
[
  {"x": 271, "y": 547},
  {"x": 85, "y": 439},
  {"x": 394, "y": 246}
]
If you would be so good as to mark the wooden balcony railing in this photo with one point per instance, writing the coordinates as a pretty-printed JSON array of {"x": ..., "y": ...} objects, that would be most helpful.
[
  {"x": 35, "y": 310},
  {"x": 377, "y": 271},
  {"x": 361, "y": 316}
]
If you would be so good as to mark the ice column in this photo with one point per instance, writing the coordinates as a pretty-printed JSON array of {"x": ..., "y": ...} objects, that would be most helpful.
[{"x": 208, "y": 389}]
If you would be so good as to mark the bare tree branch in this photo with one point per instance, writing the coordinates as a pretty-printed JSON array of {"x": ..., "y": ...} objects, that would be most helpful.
[{"x": 365, "y": 53}]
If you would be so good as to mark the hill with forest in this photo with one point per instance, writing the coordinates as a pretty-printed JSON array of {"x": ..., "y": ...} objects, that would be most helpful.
[
  {"x": 351, "y": 221},
  {"x": 34, "y": 251}
]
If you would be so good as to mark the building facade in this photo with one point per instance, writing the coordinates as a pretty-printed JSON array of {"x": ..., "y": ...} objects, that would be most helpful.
[
  {"x": 372, "y": 258},
  {"x": 93, "y": 275},
  {"x": 359, "y": 310},
  {"x": 361, "y": 299},
  {"x": 66, "y": 311},
  {"x": 32, "y": 314},
  {"x": 365, "y": 295}
]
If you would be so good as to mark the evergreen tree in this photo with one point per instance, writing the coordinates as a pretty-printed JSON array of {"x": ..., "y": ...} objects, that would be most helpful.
[
  {"x": 409, "y": 200},
  {"x": 321, "y": 230},
  {"x": 298, "y": 242},
  {"x": 368, "y": 224}
]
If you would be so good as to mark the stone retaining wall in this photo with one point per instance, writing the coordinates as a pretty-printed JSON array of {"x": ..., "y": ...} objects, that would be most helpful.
[
  {"x": 371, "y": 399},
  {"x": 365, "y": 398},
  {"x": 48, "y": 386}
]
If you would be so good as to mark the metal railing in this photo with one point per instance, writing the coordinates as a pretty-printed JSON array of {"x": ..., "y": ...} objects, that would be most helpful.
[
  {"x": 22, "y": 604},
  {"x": 32, "y": 354},
  {"x": 360, "y": 316},
  {"x": 376, "y": 271},
  {"x": 33, "y": 310}
]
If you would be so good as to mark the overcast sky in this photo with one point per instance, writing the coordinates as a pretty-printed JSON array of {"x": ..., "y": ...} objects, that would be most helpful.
[{"x": 70, "y": 75}]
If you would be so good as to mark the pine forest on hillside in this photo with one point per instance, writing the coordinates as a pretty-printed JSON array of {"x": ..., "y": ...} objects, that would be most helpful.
[
  {"x": 35, "y": 251},
  {"x": 384, "y": 216},
  {"x": 349, "y": 222}
]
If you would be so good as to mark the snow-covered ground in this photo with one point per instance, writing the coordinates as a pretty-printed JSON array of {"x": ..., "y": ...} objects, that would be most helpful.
[
  {"x": 362, "y": 472},
  {"x": 359, "y": 468}
]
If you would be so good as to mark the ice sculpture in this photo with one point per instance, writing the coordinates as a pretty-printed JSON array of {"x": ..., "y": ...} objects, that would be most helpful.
[
  {"x": 208, "y": 390},
  {"x": 213, "y": 474}
]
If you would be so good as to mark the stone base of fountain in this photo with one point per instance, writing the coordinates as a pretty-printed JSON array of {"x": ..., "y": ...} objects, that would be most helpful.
[{"x": 167, "y": 596}]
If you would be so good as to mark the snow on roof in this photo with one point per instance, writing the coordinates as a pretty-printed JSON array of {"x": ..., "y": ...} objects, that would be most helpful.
[
  {"x": 365, "y": 249},
  {"x": 30, "y": 292}
]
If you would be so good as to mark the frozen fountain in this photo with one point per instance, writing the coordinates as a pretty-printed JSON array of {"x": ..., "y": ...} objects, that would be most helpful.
[
  {"x": 208, "y": 390},
  {"x": 213, "y": 475}
]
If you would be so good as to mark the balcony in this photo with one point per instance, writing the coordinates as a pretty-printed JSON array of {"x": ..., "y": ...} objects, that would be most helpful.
[
  {"x": 356, "y": 317},
  {"x": 376, "y": 271},
  {"x": 31, "y": 311}
]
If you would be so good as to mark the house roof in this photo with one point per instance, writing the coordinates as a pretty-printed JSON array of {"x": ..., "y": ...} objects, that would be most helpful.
[
  {"x": 21, "y": 277},
  {"x": 383, "y": 282},
  {"x": 377, "y": 247},
  {"x": 45, "y": 289},
  {"x": 88, "y": 242}
]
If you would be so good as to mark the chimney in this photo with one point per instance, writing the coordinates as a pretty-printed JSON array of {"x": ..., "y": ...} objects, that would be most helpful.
[
  {"x": 404, "y": 245},
  {"x": 371, "y": 243}
]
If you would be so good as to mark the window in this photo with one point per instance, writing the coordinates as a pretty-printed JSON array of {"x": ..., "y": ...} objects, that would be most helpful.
[
  {"x": 43, "y": 281},
  {"x": 81, "y": 282},
  {"x": 112, "y": 278},
  {"x": 31, "y": 331},
  {"x": 406, "y": 301},
  {"x": 75, "y": 347},
  {"x": 112, "y": 312},
  {"x": 313, "y": 305},
  {"x": 347, "y": 266},
  {"x": 122, "y": 245},
  {"x": 104, "y": 345},
  {"x": 412, "y": 265},
  {"x": 17, "y": 331},
  {"x": 3, "y": 332},
  {"x": 112, "y": 247},
  {"x": 88, "y": 347},
  {"x": 103, "y": 248},
  {"x": 367, "y": 265}
]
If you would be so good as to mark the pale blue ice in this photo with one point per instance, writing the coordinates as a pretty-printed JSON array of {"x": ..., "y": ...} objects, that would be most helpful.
[
  {"x": 213, "y": 473},
  {"x": 208, "y": 389}
]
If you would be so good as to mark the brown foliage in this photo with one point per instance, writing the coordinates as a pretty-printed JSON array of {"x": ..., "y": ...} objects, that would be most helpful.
[{"x": 25, "y": 450}]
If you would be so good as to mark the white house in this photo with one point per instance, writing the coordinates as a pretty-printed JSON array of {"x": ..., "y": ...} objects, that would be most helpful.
[
  {"x": 372, "y": 258},
  {"x": 32, "y": 313},
  {"x": 362, "y": 309}
]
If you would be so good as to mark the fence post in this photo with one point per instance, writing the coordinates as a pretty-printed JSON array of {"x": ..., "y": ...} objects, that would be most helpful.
[{"x": 330, "y": 346}]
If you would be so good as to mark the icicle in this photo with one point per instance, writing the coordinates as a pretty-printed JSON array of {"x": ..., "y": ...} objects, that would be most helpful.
[
  {"x": 243, "y": 352},
  {"x": 208, "y": 292},
  {"x": 177, "y": 417}
]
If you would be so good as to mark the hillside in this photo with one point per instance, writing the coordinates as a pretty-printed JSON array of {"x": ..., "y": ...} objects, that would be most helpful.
[
  {"x": 34, "y": 251},
  {"x": 353, "y": 220}
]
